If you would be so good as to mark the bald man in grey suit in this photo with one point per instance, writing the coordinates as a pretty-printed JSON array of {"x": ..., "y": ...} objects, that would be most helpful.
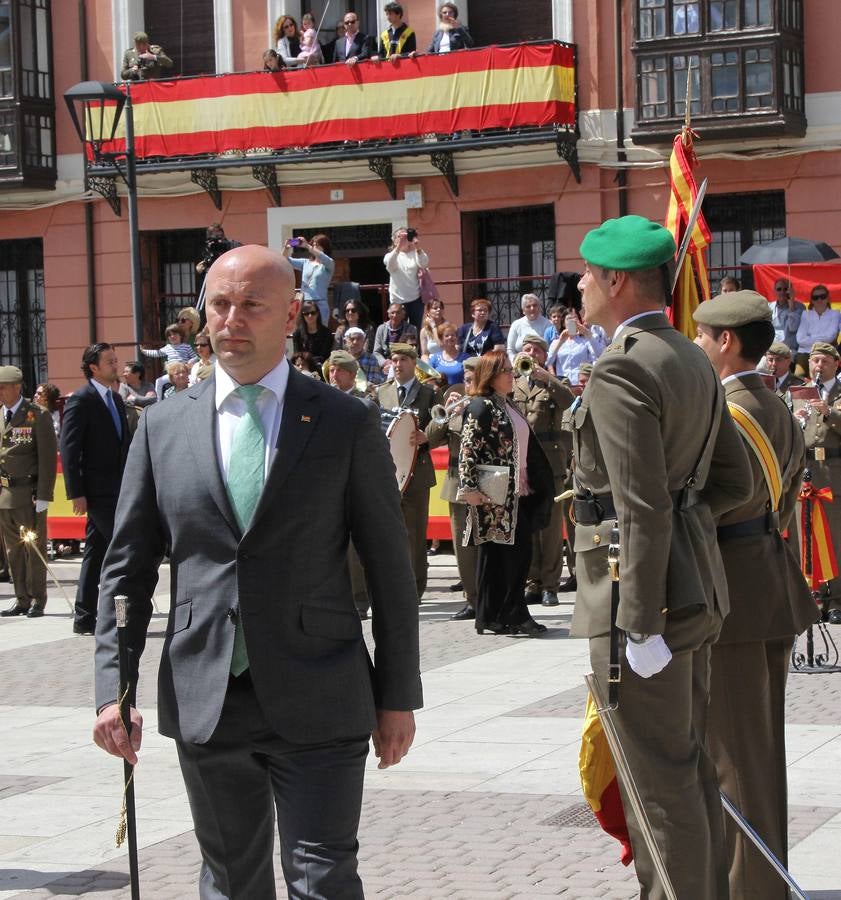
[{"x": 265, "y": 682}]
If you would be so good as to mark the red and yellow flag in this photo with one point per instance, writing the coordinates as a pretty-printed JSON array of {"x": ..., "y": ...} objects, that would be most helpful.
[
  {"x": 684, "y": 193},
  {"x": 824, "y": 565},
  {"x": 598, "y": 780}
]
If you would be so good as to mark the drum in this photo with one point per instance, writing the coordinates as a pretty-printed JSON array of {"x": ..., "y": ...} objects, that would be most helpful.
[{"x": 404, "y": 450}]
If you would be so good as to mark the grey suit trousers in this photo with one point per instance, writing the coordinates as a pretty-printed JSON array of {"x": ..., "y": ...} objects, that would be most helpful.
[{"x": 232, "y": 781}]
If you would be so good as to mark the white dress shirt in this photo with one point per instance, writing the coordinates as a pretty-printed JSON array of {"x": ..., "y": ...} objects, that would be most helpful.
[{"x": 230, "y": 409}]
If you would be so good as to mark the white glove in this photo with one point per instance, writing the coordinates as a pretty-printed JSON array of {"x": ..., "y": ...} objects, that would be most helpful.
[
  {"x": 41, "y": 505},
  {"x": 649, "y": 656}
]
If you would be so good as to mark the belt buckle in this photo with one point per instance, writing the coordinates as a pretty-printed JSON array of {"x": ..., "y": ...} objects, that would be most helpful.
[
  {"x": 614, "y": 673},
  {"x": 820, "y": 454}
]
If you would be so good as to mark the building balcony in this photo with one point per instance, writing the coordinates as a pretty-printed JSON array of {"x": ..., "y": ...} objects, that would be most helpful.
[{"x": 435, "y": 106}]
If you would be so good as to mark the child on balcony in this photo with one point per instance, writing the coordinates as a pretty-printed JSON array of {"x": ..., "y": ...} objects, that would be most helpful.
[
  {"x": 175, "y": 350},
  {"x": 310, "y": 54}
]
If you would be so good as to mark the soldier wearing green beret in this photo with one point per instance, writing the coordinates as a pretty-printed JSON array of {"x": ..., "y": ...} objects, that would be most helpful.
[
  {"x": 28, "y": 463},
  {"x": 542, "y": 399},
  {"x": 821, "y": 422},
  {"x": 770, "y": 603},
  {"x": 657, "y": 459}
]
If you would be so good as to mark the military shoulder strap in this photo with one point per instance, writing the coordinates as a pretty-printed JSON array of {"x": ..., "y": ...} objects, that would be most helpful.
[{"x": 755, "y": 437}]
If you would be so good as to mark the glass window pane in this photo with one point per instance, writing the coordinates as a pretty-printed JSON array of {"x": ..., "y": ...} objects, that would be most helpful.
[
  {"x": 686, "y": 17},
  {"x": 6, "y": 88},
  {"x": 652, "y": 19},
  {"x": 679, "y": 84}
]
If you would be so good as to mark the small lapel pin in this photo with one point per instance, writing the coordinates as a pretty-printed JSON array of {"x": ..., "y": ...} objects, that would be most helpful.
[{"x": 305, "y": 419}]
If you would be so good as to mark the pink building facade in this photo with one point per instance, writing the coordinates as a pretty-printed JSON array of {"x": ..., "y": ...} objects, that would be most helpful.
[{"x": 766, "y": 107}]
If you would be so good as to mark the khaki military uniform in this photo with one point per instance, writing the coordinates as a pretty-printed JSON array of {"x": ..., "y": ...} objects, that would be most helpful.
[
  {"x": 823, "y": 439},
  {"x": 157, "y": 69},
  {"x": 788, "y": 382},
  {"x": 651, "y": 417},
  {"x": 28, "y": 463},
  {"x": 770, "y": 604},
  {"x": 566, "y": 505},
  {"x": 415, "y": 502},
  {"x": 450, "y": 433},
  {"x": 543, "y": 405}
]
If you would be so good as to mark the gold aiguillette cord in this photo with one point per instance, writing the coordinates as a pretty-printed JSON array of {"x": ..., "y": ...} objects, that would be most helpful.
[{"x": 122, "y": 827}]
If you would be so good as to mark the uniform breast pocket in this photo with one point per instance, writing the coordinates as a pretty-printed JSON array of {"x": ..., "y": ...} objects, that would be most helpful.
[{"x": 583, "y": 438}]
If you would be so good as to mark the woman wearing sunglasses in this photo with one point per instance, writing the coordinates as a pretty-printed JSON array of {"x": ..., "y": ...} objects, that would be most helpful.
[
  {"x": 311, "y": 334},
  {"x": 355, "y": 315}
]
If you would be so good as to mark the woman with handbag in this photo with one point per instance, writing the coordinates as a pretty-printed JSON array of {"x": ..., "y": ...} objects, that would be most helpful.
[
  {"x": 405, "y": 262},
  {"x": 506, "y": 479}
]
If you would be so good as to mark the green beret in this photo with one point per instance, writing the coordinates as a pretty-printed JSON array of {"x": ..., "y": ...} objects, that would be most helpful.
[
  {"x": 403, "y": 350},
  {"x": 733, "y": 310},
  {"x": 341, "y": 359},
  {"x": 471, "y": 362},
  {"x": 778, "y": 348},
  {"x": 532, "y": 338},
  {"x": 10, "y": 375},
  {"x": 817, "y": 347},
  {"x": 628, "y": 244}
]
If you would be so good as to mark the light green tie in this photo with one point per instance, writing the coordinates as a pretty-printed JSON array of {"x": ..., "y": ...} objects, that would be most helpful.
[{"x": 246, "y": 473}]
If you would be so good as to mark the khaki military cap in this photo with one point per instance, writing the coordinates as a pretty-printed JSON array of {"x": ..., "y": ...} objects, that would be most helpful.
[
  {"x": 733, "y": 309},
  {"x": 535, "y": 339},
  {"x": 403, "y": 350},
  {"x": 778, "y": 348},
  {"x": 341, "y": 359},
  {"x": 10, "y": 375},
  {"x": 817, "y": 347},
  {"x": 471, "y": 362},
  {"x": 140, "y": 37},
  {"x": 628, "y": 244},
  {"x": 585, "y": 369}
]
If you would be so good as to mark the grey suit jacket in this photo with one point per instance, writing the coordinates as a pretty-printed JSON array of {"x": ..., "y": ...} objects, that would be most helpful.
[{"x": 286, "y": 577}]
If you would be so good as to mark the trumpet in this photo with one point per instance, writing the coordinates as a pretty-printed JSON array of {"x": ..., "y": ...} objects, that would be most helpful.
[
  {"x": 442, "y": 414},
  {"x": 524, "y": 365},
  {"x": 425, "y": 373}
]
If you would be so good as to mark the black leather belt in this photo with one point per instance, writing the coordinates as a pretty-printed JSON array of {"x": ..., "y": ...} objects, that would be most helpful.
[
  {"x": 593, "y": 509},
  {"x": 820, "y": 453},
  {"x": 7, "y": 481},
  {"x": 767, "y": 524}
]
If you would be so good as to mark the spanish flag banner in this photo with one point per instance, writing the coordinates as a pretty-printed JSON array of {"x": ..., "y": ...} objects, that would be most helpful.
[
  {"x": 477, "y": 90},
  {"x": 684, "y": 193},
  {"x": 598, "y": 780},
  {"x": 824, "y": 565}
]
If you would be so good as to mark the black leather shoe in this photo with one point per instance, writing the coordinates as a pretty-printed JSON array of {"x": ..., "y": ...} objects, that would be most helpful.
[
  {"x": 568, "y": 584},
  {"x": 16, "y": 609},
  {"x": 493, "y": 627},
  {"x": 458, "y": 586},
  {"x": 530, "y": 628},
  {"x": 83, "y": 629},
  {"x": 549, "y": 598},
  {"x": 464, "y": 614},
  {"x": 36, "y": 610},
  {"x": 834, "y": 617},
  {"x": 532, "y": 597}
]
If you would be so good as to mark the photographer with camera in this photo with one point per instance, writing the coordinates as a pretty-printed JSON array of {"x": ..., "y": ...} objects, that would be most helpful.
[
  {"x": 144, "y": 61},
  {"x": 215, "y": 245},
  {"x": 404, "y": 261},
  {"x": 316, "y": 271}
]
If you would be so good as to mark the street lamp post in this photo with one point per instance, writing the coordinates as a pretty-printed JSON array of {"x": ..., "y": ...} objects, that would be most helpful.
[{"x": 101, "y": 105}]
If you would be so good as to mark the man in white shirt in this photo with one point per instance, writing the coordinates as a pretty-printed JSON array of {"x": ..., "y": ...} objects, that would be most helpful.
[
  {"x": 531, "y": 322},
  {"x": 265, "y": 681}
]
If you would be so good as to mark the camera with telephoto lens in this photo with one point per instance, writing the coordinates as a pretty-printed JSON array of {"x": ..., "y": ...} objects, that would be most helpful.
[{"x": 213, "y": 249}]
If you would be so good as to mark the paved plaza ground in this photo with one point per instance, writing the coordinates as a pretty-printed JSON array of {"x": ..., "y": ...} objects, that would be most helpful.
[{"x": 486, "y": 805}]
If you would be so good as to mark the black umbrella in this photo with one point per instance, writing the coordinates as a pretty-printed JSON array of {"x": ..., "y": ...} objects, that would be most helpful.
[{"x": 788, "y": 250}]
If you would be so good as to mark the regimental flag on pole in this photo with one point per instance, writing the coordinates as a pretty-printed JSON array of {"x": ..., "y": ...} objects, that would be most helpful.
[
  {"x": 599, "y": 782},
  {"x": 684, "y": 192},
  {"x": 824, "y": 565}
]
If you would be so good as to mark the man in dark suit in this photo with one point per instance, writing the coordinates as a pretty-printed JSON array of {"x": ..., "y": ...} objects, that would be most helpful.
[
  {"x": 265, "y": 682},
  {"x": 355, "y": 45},
  {"x": 406, "y": 392},
  {"x": 94, "y": 444}
]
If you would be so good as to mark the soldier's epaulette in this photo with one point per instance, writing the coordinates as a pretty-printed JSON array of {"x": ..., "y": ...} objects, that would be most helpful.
[{"x": 620, "y": 344}]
